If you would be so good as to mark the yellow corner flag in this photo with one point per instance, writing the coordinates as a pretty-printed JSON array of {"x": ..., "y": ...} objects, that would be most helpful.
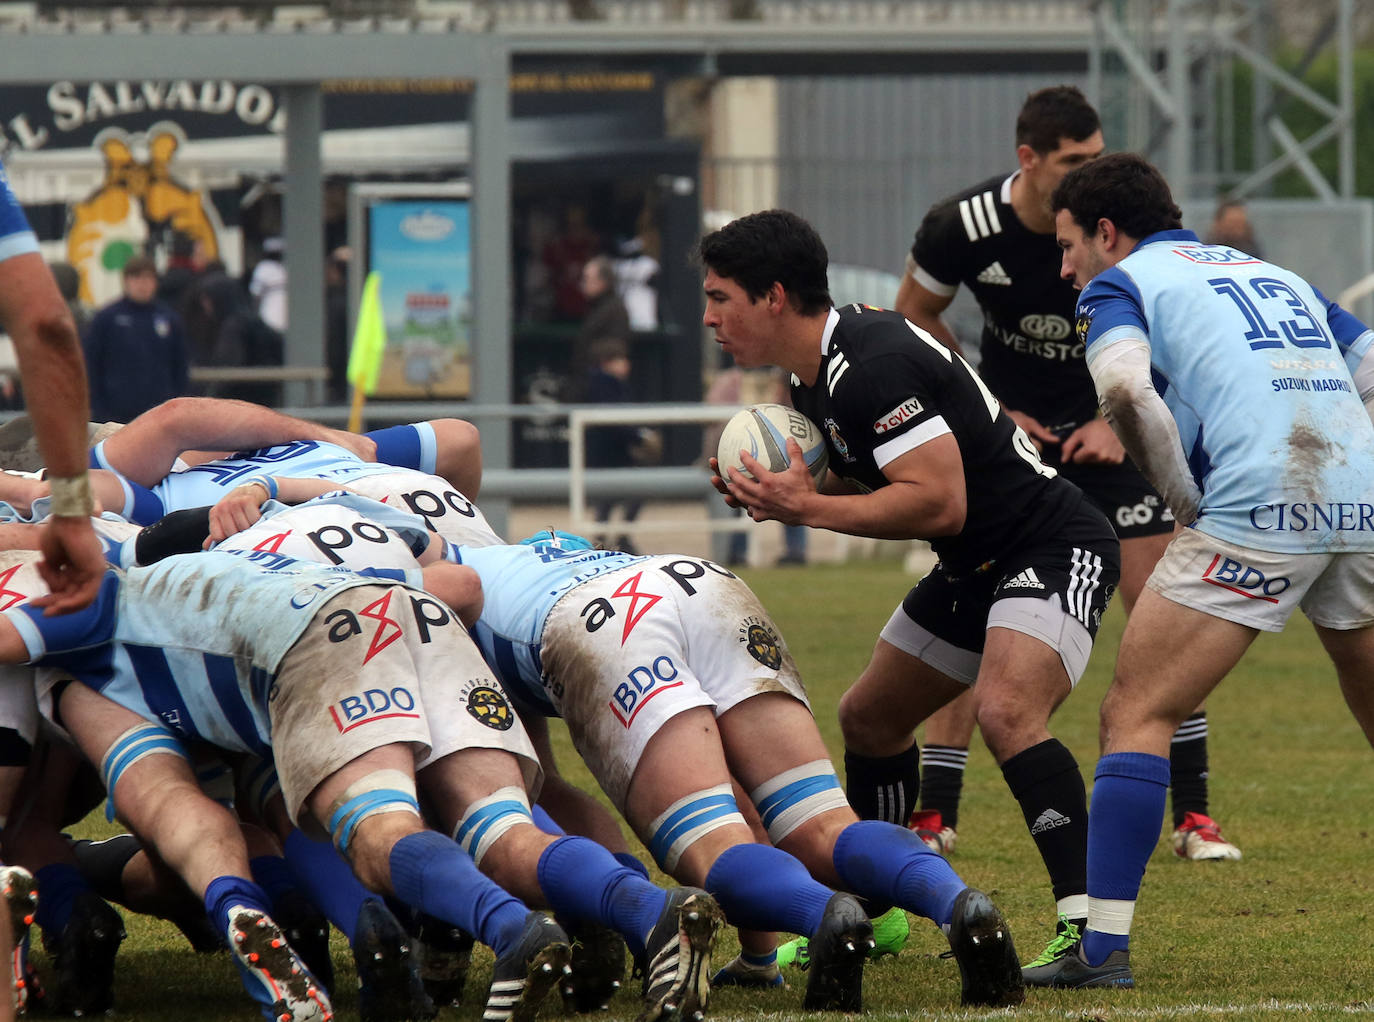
[{"x": 369, "y": 342}]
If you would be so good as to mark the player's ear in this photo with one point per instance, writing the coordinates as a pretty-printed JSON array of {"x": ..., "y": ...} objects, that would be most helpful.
[
  {"x": 1026, "y": 156},
  {"x": 776, "y": 297}
]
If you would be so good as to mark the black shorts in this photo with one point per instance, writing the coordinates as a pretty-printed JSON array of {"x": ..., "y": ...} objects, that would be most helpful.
[
  {"x": 1122, "y": 494},
  {"x": 1080, "y": 563}
]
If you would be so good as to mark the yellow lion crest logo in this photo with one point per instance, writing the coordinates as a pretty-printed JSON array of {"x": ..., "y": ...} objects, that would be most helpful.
[{"x": 134, "y": 198}]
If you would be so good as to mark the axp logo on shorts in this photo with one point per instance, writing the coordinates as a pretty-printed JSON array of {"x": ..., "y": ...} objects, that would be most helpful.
[
  {"x": 383, "y": 623},
  {"x": 641, "y": 685},
  {"x": 371, "y": 705},
  {"x": 1244, "y": 580}
]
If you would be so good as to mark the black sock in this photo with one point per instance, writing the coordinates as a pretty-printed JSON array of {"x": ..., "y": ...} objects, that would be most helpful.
[
  {"x": 942, "y": 780},
  {"x": 102, "y": 864},
  {"x": 1046, "y": 781},
  {"x": 883, "y": 787},
  {"x": 1188, "y": 767}
]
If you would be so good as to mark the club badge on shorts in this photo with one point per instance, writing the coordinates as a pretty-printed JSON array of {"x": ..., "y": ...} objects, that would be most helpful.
[
  {"x": 762, "y": 644},
  {"x": 490, "y": 708}
]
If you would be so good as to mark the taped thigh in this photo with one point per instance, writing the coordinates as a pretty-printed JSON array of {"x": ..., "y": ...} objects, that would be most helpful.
[
  {"x": 688, "y": 819},
  {"x": 382, "y": 791},
  {"x": 488, "y": 818},
  {"x": 135, "y": 744},
  {"x": 794, "y": 796}
]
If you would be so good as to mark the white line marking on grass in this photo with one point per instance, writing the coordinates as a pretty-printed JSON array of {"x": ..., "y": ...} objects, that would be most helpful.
[{"x": 1102, "y": 1012}]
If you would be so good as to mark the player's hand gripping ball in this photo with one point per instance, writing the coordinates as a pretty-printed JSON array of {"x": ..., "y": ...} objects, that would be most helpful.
[{"x": 763, "y": 430}]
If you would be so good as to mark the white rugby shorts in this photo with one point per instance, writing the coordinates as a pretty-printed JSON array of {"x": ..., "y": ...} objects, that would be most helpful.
[
  {"x": 629, "y": 650},
  {"x": 380, "y": 665},
  {"x": 1262, "y": 588},
  {"x": 444, "y": 509}
]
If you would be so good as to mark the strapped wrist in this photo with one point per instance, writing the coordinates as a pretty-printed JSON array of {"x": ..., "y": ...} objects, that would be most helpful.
[{"x": 71, "y": 496}]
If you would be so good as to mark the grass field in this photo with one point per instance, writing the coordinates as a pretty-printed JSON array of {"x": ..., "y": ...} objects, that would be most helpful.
[{"x": 1284, "y": 933}]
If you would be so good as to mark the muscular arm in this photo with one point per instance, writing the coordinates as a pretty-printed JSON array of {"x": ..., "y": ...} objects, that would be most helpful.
[
  {"x": 458, "y": 586},
  {"x": 1364, "y": 380},
  {"x": 1121, "y": 373},
  {"x": 923, "y": 307},
  {"x": 925, "y": 497},
  {"x": 49, "y": 352},
  {"x": 146, "y": 448}
]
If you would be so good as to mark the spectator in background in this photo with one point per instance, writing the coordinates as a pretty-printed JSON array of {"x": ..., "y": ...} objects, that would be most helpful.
[
  {"x": 136, "y": 353},
  {"x": 636, "y": 274},
  {"x": 1231, "y": 227},
  {"x": 606, "y": 320},
  {"x": 336, "y": 340},
  {"x": 564, "y": 256},
  {"x": 69, "y": 285},
  {"x": 268, "y": 284},
  {"x": 185, "y": 264},
  {"x": 618, "y": 446},
  {"x": 227, "y": 332}
]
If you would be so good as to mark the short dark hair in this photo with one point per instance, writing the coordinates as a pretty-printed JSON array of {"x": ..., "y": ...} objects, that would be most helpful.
[
  {"x": 1123, "y": 188},
  {"x": 775, "y": 246},
  {"x": 138, "y": 265},
  {"x": 1059, "y": 112}
]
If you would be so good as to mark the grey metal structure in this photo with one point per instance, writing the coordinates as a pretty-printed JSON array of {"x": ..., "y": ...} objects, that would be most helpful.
[{"x": 1112, "y": 41}]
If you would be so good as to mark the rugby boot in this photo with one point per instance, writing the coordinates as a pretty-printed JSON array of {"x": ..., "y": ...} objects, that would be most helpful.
[{"x": 981, "y": 944}]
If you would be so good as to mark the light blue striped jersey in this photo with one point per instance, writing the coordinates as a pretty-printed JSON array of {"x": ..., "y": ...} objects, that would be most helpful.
[
  {"x": 1255, "y": 366},
  {"x": 193, "y": 641},
  {"x": 16, "y": 237},
  {"x": 520, "y": 585},
  {"x": 340, "y": 529}
]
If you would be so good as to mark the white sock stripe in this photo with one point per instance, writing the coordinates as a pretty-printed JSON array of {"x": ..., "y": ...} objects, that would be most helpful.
[
  {"x": 949, "y": 759},
  {"x": 1191, "y": 731},
  {"x": 1106, "y": 915}
]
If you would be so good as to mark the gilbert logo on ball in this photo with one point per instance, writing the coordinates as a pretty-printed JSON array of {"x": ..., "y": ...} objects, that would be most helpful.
[{"x": 763, "y": 431}]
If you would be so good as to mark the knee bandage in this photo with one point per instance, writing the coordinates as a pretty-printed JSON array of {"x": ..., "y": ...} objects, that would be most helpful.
[
  {"x": 689, "y": 819},
  {"x": 794, "y": 796},
  {"x": 488, "y": 818},
  {"x": 382, "y": 791},
  {"x": 139, "y": 742}
]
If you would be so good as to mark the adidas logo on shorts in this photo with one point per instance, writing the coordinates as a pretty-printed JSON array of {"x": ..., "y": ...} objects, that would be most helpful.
[
  {"x": 1024, "y": 579},
  {"x": 1048, "y": 820},
  {"x": 994, "y": 274}
]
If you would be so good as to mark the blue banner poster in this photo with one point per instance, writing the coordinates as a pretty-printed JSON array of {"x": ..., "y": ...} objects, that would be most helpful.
[{"x": 422, "y": 251}]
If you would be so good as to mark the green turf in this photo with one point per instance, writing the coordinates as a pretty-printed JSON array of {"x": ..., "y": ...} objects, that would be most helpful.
[{"x": 1283, "y": 933}]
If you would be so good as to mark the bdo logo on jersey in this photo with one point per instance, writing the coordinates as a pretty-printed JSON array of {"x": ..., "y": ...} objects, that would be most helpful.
[
  {"x": 640, "y": 685},
  {"x": 372, "y": 705},
  {"x": 1229, "y": 574},
  {"x": 761, "y": 642},
  {"x": 489, "y": 706}
]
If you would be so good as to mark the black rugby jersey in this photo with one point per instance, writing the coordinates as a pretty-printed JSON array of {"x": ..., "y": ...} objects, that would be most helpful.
[
  {"x": 1031, "y": 356},
  {"x": 884, "y": 382}
]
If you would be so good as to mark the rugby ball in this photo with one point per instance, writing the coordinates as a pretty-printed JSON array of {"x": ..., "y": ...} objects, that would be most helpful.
[{"x": 762, "y": 430}]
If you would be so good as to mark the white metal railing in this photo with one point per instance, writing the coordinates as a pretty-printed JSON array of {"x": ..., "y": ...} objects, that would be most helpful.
[{"x": 579, "y": 418}]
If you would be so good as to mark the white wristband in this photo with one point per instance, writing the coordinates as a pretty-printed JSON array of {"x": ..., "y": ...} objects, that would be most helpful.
[{"x": 71, "y": 497}]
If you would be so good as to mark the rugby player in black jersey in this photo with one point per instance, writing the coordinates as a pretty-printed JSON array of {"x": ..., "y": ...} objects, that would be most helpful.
[
  {"x": 920, "y": 449},
  {"x": 997, "y": 239}
]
